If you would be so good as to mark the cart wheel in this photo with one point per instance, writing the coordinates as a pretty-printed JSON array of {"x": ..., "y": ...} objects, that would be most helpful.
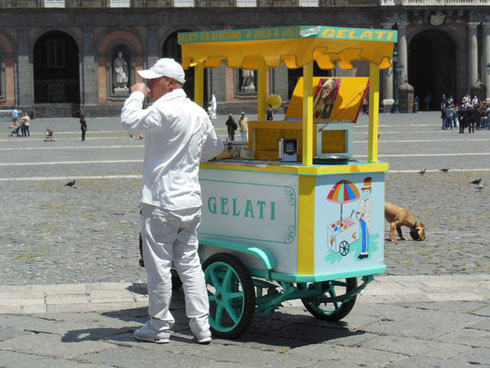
[
  {"x": 344, "y": 247},
  {"x": 331, "y": 310},
  {"x": 231, "y": 295}
]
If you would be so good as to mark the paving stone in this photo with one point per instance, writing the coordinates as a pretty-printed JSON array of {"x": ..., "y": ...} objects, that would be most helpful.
[
  {"x": 25, "y": 360},
  {"x": 49, "y": 345},
  {"x": 469, "y": 336},
  {"x": 130, "y": 357},
  {"x": 418, "y": 346}
]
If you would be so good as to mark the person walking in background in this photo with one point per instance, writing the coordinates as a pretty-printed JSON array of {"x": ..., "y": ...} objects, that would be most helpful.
[
  {"x": 26, "y": 123},
  {"x": 270, "y": 113},
  {"x": 427, "y": 100},
  {"x": 15, "y": 116},
  {"x": 231, "y": 126},
  {"x": 449, "y": 117},
  {"x": 243, "y": 123},
  {"x": 178, "y": 136},
  {"x": 443, "y": 117},
  {"x": 83, "y": 126},
  {"x": 443, "y": 101},
  {"x": 456, "y": 116}
]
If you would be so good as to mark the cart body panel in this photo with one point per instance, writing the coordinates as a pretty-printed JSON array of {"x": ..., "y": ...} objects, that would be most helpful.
[{"x": 288, "y": 216}]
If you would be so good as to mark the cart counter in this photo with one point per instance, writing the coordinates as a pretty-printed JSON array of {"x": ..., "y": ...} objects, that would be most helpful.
[{"x": 288, "y": 210}]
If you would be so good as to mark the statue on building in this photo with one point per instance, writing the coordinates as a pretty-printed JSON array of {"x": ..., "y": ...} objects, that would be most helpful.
[
  {"x": 120, "y": 74},
  {"x": 248, "y": 83}
]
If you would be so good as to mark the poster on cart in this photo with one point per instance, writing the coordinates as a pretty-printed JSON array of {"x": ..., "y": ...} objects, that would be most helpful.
[{"x": 349, "y": 215}]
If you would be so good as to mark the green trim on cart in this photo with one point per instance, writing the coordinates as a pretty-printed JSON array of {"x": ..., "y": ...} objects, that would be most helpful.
[
  {"x": 279, "y": 276},
  {"x": 265, "y": 256}
]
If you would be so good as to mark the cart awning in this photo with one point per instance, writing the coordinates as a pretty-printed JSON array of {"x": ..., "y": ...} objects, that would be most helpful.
[{"x": 295, "y": 46}]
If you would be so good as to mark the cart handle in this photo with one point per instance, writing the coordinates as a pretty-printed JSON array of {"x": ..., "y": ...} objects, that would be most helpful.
[{"x": 266, "y": 257}]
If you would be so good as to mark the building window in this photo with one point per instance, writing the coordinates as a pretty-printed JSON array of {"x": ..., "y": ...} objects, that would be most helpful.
[
  {"x": 120, "y": 3},
  {"x": 183, "y": 3},
  {"x": 55, "y": 54},
  {"x": 54, "y": 3},
  {"x": 246, "y": 3},
  {"x": 311, "y": 3}
]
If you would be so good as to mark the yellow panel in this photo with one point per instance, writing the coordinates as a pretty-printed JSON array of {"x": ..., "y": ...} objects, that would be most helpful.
[
  {"x": 333, "y": 141},
  {"x": 306, "y": 226},
  {"x": 298, "y": 169},
  {"x": 347, "y": 104}
]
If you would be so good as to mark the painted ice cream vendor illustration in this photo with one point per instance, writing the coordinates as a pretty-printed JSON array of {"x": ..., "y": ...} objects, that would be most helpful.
[{"x": 364, "y": 213}]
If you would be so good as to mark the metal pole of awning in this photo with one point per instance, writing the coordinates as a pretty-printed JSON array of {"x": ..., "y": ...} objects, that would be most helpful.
[
  {"x": 261, "y": 90},
  {"x": 199, "y": 84},
  {"x": 373, "y": 113},
  {"x": 308, "y": 114}
]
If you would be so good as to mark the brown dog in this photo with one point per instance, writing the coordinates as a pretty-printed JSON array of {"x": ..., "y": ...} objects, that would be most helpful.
[{"x": 398, "y": 217}]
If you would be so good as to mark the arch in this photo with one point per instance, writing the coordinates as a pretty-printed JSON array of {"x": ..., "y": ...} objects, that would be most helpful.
[
  {"x": 34, "y": 38},
  {"x": 6, "y": 45},
  {"x": 6, "y": 70},
  {"x": 109, "y": 43},
  {"x": 132, "y": 40},
  {"x": 56, "y": 68},
  {"x": 433, "y": 65},
  {"x": 170, "y": 48}
]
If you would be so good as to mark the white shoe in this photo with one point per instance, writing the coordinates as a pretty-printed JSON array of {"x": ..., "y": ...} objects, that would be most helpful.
[
  {"x": 203, "y": 337},
  {"x": 148, "y": 333}
]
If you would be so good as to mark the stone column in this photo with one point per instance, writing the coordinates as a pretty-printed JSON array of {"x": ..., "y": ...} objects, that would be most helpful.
[
  {"x": 153, "y": 49},
  {"x": 88, "y": 71},
  {"x": 402, "y": 52},
  {"x": 388, "y": 100},
  {"x": 472, "y": 55},
  {"x": 24, "y": 77},
  {"x": 486, "y": 59}
]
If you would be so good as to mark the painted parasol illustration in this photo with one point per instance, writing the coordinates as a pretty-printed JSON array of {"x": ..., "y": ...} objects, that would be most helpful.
[{"x": 343, "y": 192}]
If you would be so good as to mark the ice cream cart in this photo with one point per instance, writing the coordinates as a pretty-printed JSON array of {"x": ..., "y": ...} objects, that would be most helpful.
[{"x": 311, "y": 229}]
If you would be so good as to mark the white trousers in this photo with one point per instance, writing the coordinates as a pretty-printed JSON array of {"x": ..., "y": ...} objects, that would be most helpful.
[
  {"x": 244, "y": 136},
  {"x": 171, "y": 236}
]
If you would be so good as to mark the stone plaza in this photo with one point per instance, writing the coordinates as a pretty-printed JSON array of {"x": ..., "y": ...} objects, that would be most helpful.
[{"x": 72, "y": 293}]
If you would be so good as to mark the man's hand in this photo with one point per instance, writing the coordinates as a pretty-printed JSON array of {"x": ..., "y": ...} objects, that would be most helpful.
[{"x": 139, "y": 87}]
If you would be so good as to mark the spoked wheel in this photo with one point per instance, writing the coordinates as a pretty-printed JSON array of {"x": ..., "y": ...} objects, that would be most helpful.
[
  {"x": 344, "y": 248},
  {"x": 231, "y": 295},
  {"x": 327, "y": 306}
]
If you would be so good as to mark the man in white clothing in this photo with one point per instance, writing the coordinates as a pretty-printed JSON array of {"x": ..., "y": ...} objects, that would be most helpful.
[{"x": 178, "y": 135}]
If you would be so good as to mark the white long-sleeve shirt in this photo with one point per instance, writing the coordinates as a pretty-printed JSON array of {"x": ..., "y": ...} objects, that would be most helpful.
[{"x": 178, "y": 136}]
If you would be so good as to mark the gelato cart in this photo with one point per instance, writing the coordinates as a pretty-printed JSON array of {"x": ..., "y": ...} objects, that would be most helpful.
[{"x": 299, "y": 217}]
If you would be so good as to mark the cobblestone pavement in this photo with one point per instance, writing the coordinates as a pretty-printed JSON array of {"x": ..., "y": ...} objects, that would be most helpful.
[
  {"x": 71, "y": 292},
  {"x": 56, "y": 234}
]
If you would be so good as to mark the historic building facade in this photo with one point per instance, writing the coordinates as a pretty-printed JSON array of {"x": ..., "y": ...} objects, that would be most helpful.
[{"x": 62, "y": 57}]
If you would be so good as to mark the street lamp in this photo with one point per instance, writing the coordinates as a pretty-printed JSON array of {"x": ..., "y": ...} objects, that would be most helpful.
[{"x": 398, "y": 68}]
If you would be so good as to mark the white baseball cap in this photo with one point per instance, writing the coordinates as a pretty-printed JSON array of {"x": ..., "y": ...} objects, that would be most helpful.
[{"x": 164, "y": 67}]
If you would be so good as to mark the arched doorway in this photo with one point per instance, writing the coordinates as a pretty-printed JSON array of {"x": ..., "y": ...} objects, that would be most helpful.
[
  {"x": 56, "y": 69},
  {"x": 432, "y": 66},
  {"x": 173, "y": 50}
]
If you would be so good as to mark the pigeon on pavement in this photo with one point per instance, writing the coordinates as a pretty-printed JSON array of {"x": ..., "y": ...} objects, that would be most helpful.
[{"x": 70, "y": 183}]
